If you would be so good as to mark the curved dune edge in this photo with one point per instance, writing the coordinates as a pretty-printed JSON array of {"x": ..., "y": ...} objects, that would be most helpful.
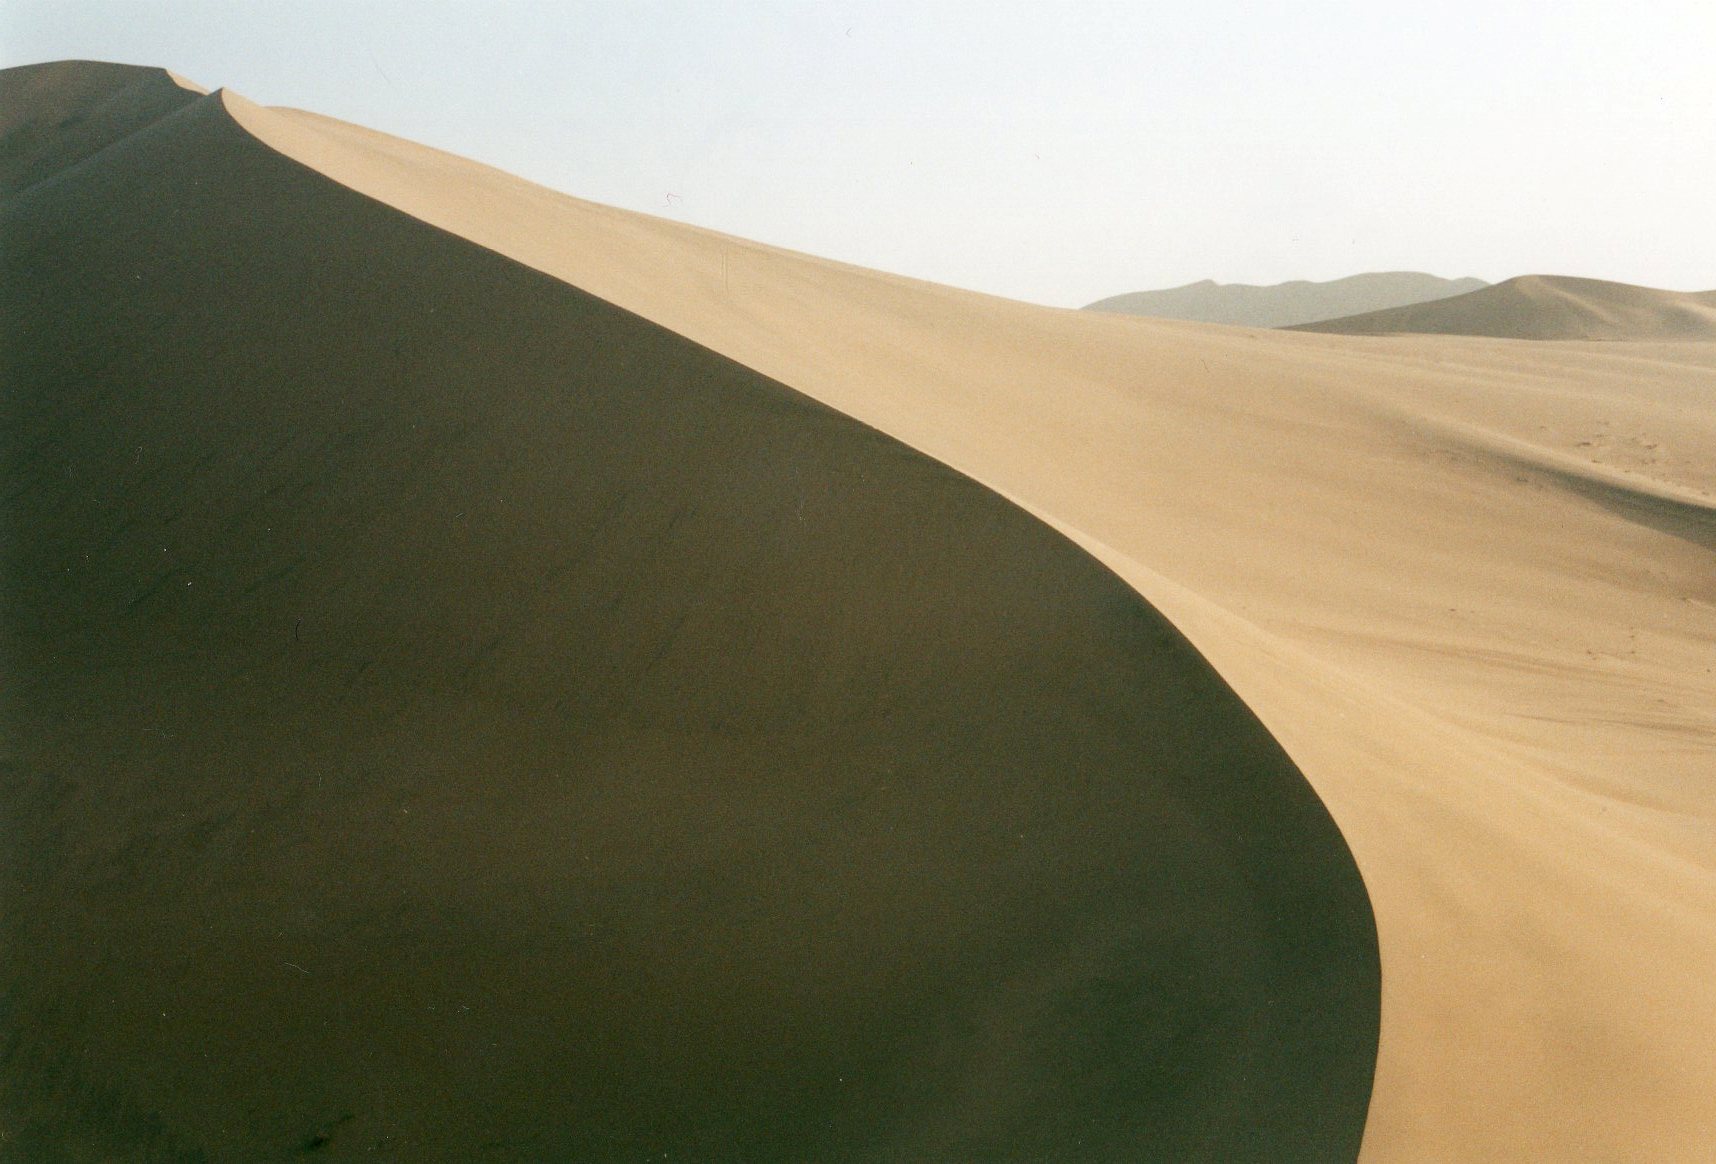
[
  {"x": 1500, "y": 691},
  {"x": 186, "y": 83},
  {"x": 339, "y": 615}
]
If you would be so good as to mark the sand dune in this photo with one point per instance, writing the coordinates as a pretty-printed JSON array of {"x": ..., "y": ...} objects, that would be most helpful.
[
  {"x": 1547, "y": 307},
  {"x": 54, "y": 116},
  {"x": 1496, "y": 677},
  {"x": 1284, "y": 304},
  {"x": 1465, "y": 584},
  {"x": 448, "y": 714}
]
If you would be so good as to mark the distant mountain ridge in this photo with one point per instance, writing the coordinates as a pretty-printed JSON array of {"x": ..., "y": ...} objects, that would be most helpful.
[
  {"x": 1547, "y": 307},
  {"x": 1286, "y": 304}
]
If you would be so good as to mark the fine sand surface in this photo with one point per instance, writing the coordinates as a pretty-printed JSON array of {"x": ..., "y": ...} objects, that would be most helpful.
[
  {"x": 448, "y": 716},
  {"x": 1285, "y": 304},
  {"x": 54, "y": 116},
  {"x": 1547, "y": 307},
  {"x": 1466, "y": 582}
]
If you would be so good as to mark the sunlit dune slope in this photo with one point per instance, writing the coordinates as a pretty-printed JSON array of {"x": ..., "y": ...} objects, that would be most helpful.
[
  {"x": 1467, "y": 582},
  {"x": 447, "y": 714},
  {"x": 1283, "y": 304},
  {"x": 1547, "y": 307}
]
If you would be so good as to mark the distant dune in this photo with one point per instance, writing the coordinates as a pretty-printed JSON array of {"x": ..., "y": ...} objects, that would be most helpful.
[
  {"x": 450, "y": 715},
  {"x": 1547, "y": 307},
  {"x": 1283, "y": 304},
  {"x": 490, "y": 672}
]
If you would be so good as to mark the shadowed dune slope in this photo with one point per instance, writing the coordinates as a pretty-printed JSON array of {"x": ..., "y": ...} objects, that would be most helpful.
[
  {"x": 1467, "y": 584},
  {"x": 1547, "y": 307},
  {"x": 54, "y": 116},
  {"x": 448, "y": 714},
  {"x": 1284, "y": 304}
]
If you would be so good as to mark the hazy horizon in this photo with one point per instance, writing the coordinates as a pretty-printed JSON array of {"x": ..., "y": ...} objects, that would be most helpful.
[{"x": 1058, "y": 156}]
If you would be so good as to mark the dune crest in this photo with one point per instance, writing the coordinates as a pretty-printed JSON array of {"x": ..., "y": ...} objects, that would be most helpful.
[
  {"x": 54, "y": 116},
  {"x": 1547, "y": 307},
  {"x": 1498, "y": 684},
  {"x": 1464, "y": 584},
  {"x": 450, "y": 715}
]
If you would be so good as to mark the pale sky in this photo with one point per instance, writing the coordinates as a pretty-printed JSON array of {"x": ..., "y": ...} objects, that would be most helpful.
[{"x": 1053, "y": 152}]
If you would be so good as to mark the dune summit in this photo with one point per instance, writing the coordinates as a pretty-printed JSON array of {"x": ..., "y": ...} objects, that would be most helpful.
[
  {"x": 1547, "y": 307},
  {"x": 54, "y": 116},
  {"x": 1285, "y": 304},
  {"x": 449, "y": 714}
]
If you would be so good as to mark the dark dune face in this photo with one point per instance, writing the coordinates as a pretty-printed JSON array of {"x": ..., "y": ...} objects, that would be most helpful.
[
  {"x": 54, "y": 116},
  {"x": 450, "y": 716}
]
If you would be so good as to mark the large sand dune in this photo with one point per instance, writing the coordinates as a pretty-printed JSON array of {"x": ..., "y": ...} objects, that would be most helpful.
[
  {"x": 1285, "y": 304},
  {"x": 1466, "y": 583},
  {"x": 1547, "y": 307},
  {"x": 449, "y": 715}
]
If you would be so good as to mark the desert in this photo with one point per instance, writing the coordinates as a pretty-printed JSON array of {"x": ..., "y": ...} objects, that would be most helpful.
[{"x": 489, "y": 674}]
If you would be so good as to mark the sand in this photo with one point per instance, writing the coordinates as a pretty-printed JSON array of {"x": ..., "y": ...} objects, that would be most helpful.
[
  {"x": 54, "y": 116},
  {"x": 1285, "y": 304},
  {"x": 1464, "y": 582},
  {"x": 452, "y": 717}
]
